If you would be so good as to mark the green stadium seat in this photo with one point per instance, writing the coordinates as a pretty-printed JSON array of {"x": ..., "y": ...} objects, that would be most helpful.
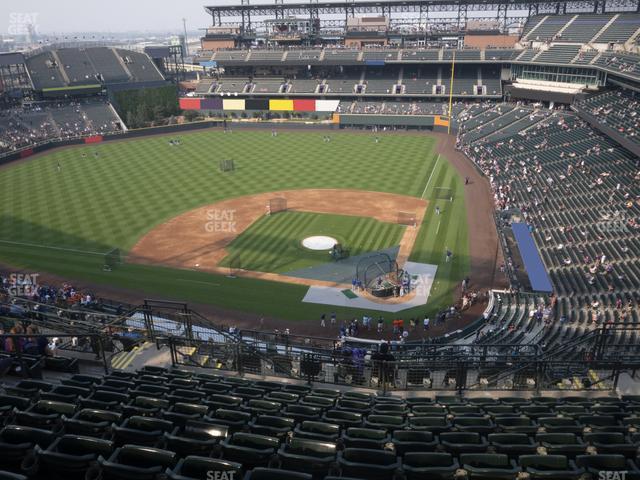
[
  {"x": 314, "y": 457},
  {"x": 369, "y": 464},
  {"x": 463, "y": 442},
  {"x": 355, "y": 437},
  {"x": 69, "y": 456},
  {"x": 322, "y": 431},
  {"x": 249, "y": 449},
  {"x": 406, "y": 441},
  {"x": 561, "y": 444},
  {"x": 550, "y": 467},
  {"x": 432, "y": 424},
  {"x": 512, "y": 444},
  {"x": 91, "y": 422},
  {"x": 430, "y": 465},
  {"x": 273, "y": 426},
  {"x": 493, "y": 466}
]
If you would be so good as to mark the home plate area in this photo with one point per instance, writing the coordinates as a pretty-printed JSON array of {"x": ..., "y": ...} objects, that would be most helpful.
[{"x": 422, "y": 277}]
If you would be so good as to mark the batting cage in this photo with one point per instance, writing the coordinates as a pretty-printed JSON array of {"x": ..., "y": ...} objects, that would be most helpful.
[
  {"x": 378, "y": 274},
  {"x": 407, "y": 218},
  {"x": 111, "y": 260},
  {"x": 443, "y": 193},
  {"x": 277, "y": 204},
  {"x": 227, "y": 166}
]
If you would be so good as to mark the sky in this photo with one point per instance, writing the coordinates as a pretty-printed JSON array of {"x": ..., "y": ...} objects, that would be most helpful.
[{"x": 68, "y": 16}]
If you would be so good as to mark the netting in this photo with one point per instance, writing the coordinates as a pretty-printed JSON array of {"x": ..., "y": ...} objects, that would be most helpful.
[
  {"x": 277, "y": 204},
  {"x": 407, "y": 218},
  {"x": 442, "y": 193},
  {"x": 375, "y": 269},
  {"x": 227, "y": 166}
]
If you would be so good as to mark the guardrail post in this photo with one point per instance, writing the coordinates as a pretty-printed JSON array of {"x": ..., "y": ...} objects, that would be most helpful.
[{"x": 103, "y": 352}]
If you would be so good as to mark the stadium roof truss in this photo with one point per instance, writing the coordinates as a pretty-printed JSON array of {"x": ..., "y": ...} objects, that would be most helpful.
[{"x": 403, "y": 13}]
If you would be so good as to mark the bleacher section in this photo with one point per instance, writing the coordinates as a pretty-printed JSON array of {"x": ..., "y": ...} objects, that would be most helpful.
[
  {"x": 72, "y": 67},
  {"x": 45, "y": 71},
  {"x": 107, "y": 64},
  {"x": 577, "y": 190},
  {"x": 140, "y": 66},
  {"x": 548, "y": 28},
  {"x": 22, "y": 127},
  {"x": 584, "y": 28},
  {"x": 558, "y": 53},
  {"x": 182, "y": 425},
  {"x": 617, "y": 109},
  {"x": 77, "y": 65},
  {"x": 621, "y": 30}
]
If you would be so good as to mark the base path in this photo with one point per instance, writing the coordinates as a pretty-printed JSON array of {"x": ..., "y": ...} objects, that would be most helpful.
[{"x": 198, "y": 239}]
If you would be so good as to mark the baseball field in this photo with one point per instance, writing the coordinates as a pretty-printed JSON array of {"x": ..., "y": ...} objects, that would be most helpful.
[{"x": 154, "y": 202}]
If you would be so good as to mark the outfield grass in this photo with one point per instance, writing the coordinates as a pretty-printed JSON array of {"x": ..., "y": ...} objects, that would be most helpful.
[
  {"x": 273, "y": 244},
  {"x": 96, "y": 203}
]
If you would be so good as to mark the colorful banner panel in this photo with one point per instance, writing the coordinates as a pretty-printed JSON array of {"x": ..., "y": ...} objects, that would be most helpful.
[
  {"x": 327, "y": 105},
  {"x": 281, "y": 105},
  {"x": 211, "y": 103},
  {"x": 270, "y": 104},
  {"x": 233, "y": 104},
  {"x": 190, "y": 103}
]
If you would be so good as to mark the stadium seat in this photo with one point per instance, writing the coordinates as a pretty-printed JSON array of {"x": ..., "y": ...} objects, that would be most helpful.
[
  {"x": 141, "y": 431},
  {"x": 481, "y": 425},
  {"x": 65, "y": 393},
  {"x": 314, "y": 457},
  {"x": 249, "y": 449},
  {"x": 216, "y": 401},
  {"x": 513, "y": 444},
  {"x": 432, "y": 465},
  {"x": 436, "y": 425},
  {"x": 145, "y": 407},
  {"x": 562, "y": 443},
  {"x": 369, "y": 464},
  {"x": 301, "y": 413},
  {"x": 550, "y": 467},
  {"x": 342, "y": 418},
  {"x": 69, "y": 456},
  {"x": 355, "y": 437},
  {"x": 273, "y": 426},
  {"x": 105, "y": 400},
  {"x": 195, "y": 439},
  {"x": 387, "y": 422},
  {"x": 233, "y": 419},
  {"x": 45, "y": 414},
  {"x": 29, "y": 388},
  {"x": 560, "y": 425},
  {"x": 132, "y": 462},
  {"x": 9, "y": 402},
  {"x": 494, "y": 466},
  {"x": 611, "y": 442},
  {"x": 521, "y": 424},
  {"x": 594, "y": 464},
  {"x": 463, "y": 442},
  {"x": 91, "y": 422},
  {"x": 17, "y": 441},
  {"x": 180, "y": 413},
  {"x": 322, "y": 431},
  {"x": 193, "y": 467},
  {"x": 406, "y": 441}
]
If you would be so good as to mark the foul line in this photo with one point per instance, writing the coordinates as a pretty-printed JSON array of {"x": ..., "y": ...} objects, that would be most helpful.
[
  {"x": 35, "y": 245},
  {"x": 197, "y": 281},
  {"x": 430, "y": 177},
  {"x": 438, "y": 229}
]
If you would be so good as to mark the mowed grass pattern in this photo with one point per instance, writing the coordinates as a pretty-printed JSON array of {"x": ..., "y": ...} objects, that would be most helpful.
[
  {"x": 273, "y": 244},
  {"x": 97, "y": 203}
]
